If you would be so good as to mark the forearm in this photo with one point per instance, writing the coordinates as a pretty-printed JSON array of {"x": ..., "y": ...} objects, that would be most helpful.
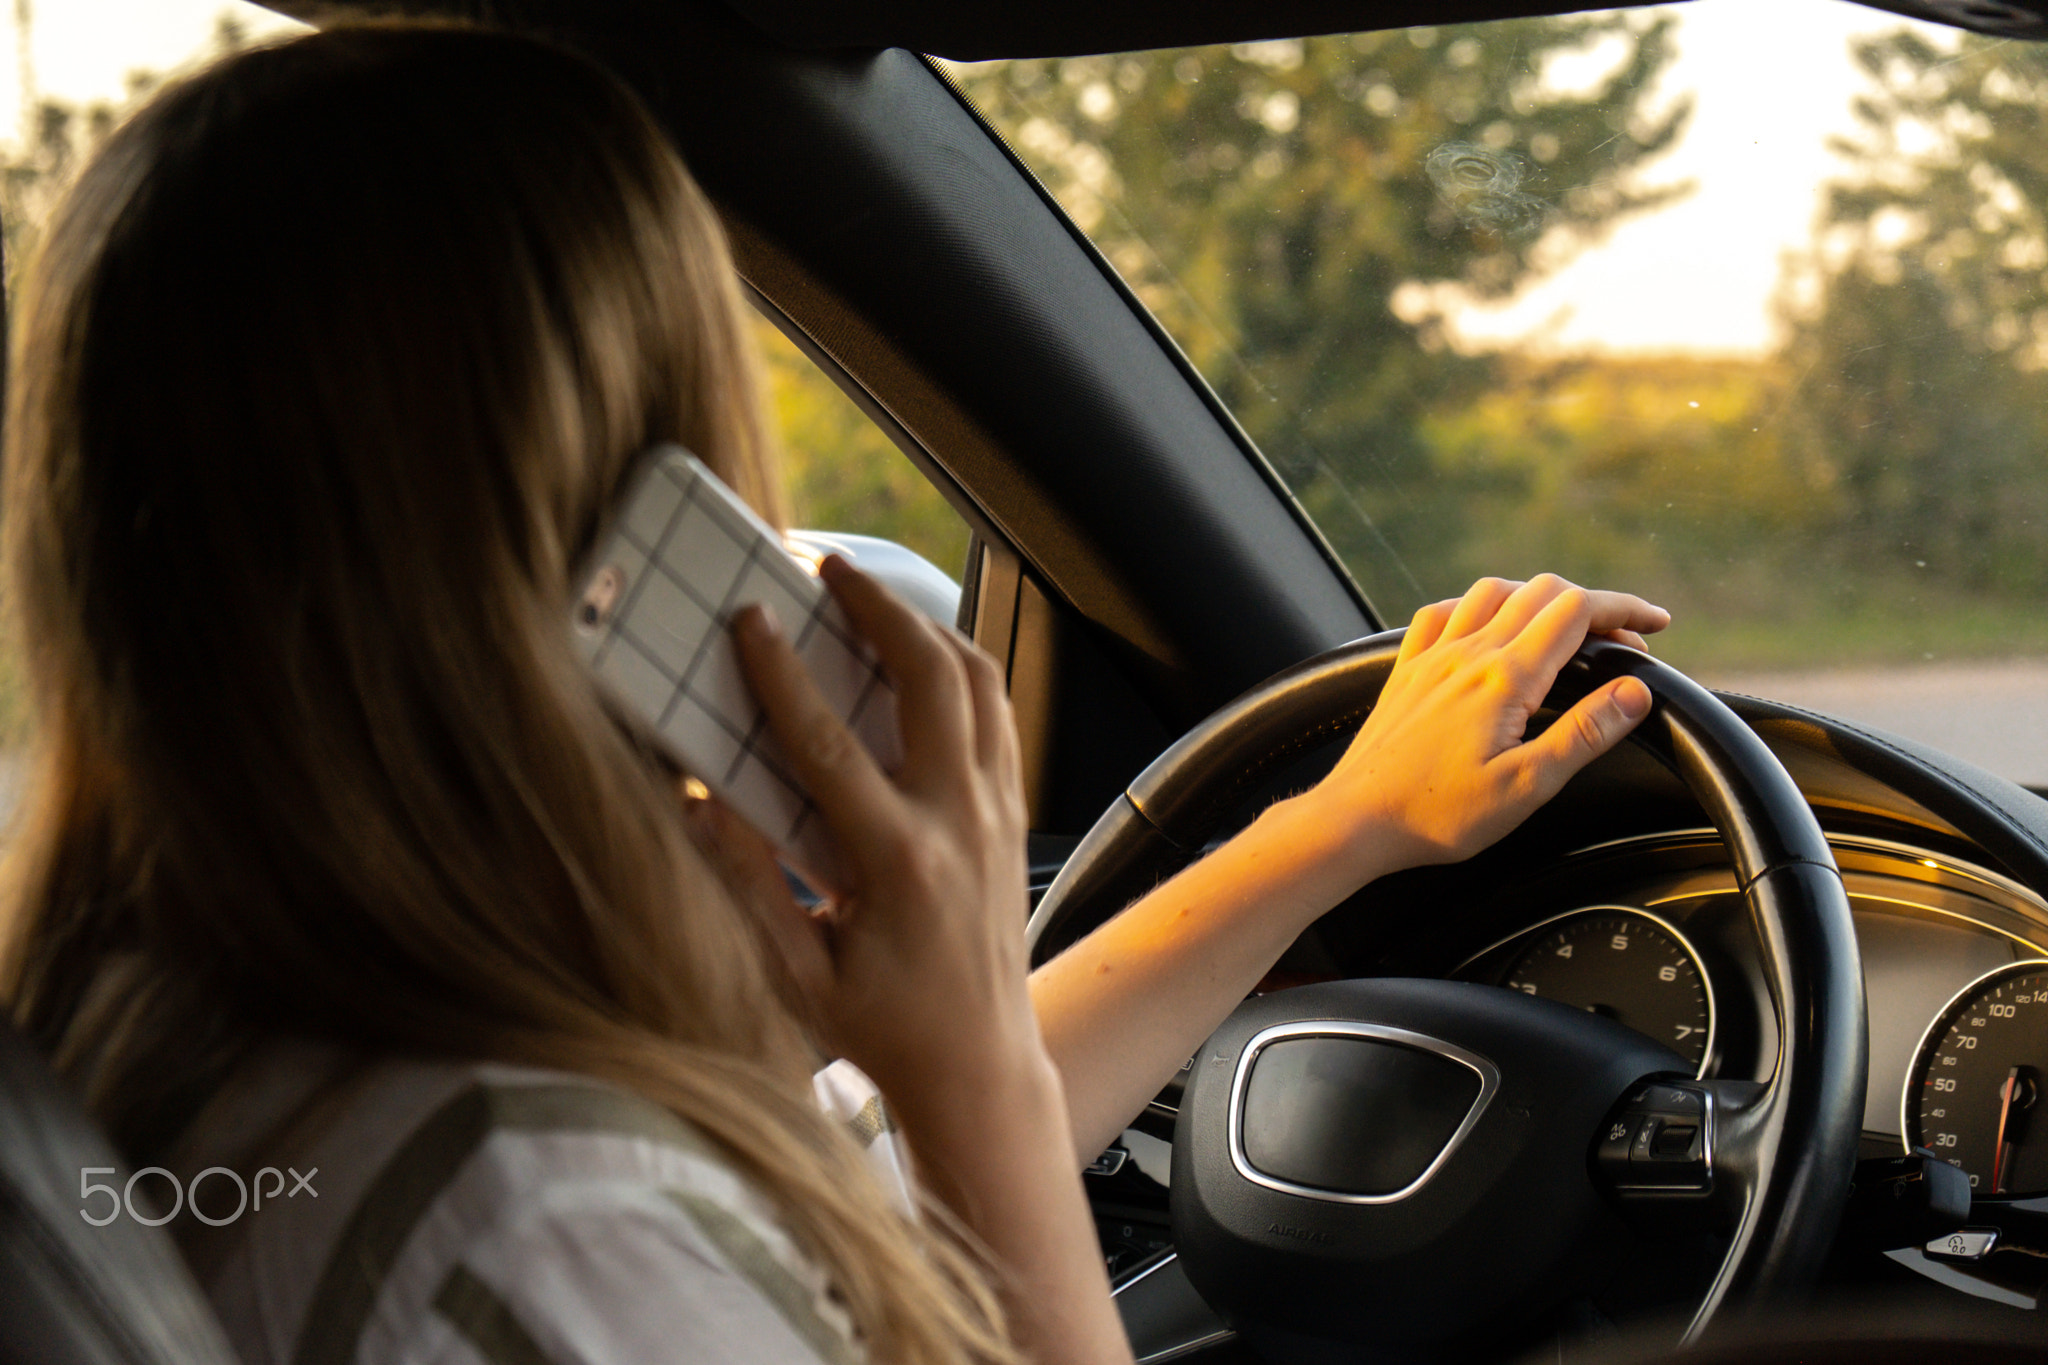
[
  {"x": 999, "y": 1159},
  {"x": 1439, "y": 770},
  {"x": 1125, "y": 1007}
]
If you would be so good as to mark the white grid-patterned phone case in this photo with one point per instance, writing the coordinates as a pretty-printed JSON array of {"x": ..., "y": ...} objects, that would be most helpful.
[{"x": 687, "y": 555}]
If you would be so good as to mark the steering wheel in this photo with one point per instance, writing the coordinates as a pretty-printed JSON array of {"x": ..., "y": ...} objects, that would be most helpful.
[{"x": 1427, "y": 1165}]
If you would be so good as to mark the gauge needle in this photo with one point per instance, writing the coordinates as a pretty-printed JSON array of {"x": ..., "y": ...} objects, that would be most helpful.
[{"x": 2002, "y": 1153}]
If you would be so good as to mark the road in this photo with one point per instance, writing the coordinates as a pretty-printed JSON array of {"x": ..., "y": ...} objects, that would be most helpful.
[{"x": 1993, "y": 713}]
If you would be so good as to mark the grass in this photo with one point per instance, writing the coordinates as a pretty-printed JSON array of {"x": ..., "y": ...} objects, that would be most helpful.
[{"x": 1871, "y": 632}]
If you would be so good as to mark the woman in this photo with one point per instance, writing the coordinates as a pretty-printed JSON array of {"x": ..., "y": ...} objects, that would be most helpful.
[{"x": 335, "y": 862}]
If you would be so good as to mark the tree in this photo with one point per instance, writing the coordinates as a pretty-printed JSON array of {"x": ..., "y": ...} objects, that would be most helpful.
[
  {"x": 843, "y": 473},
  {"x": 1276, "y": 203},
  {"x": 1925, "y": 409}
]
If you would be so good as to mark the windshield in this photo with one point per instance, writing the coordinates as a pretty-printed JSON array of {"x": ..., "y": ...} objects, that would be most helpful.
[{"x": 1738, "y": 306}]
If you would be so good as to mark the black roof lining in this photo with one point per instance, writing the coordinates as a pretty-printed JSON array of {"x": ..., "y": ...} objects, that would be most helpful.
[
  {"x": 1067, "y": 28},
  {"x": 1072, "y": 28}
]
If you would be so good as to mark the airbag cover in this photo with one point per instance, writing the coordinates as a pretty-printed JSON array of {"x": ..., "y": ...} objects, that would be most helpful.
[{"x": 1352, "y": 1115}]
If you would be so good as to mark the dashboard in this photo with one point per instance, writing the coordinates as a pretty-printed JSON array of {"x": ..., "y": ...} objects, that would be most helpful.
[
  {"x": 1619, "y": 898},
  {"x": 1651, "y": 930},
  {"x": 1666, "y": 948}
]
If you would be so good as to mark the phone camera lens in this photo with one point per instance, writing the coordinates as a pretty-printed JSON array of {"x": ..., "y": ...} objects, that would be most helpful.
[{"x": 599, "y": 599}]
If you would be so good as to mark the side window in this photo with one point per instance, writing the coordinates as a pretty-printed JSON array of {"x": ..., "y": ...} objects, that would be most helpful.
[
  {"x": 1083, "y": 729},
  {"x": 844, "y": 475}
]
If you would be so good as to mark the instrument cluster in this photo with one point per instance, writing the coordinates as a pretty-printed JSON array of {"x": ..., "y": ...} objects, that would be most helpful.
[
  {"x": 1955, "y": 968},
  {"x": 1975, "y": 1084},
  {"x": 1623, "y": 962}
]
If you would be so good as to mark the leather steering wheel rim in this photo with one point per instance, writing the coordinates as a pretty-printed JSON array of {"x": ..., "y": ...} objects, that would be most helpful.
[{"x": 1800, "y": 1135}]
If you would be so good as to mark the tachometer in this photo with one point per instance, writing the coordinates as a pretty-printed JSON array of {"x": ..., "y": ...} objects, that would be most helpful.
[
  {"x": 1975, "y": 1084},
  {"x": 1628, "y": 965}
]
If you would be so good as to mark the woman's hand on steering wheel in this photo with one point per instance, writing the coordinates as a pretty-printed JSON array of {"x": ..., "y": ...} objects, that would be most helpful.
[
  {"x": 1440, "y": 768},
  {"x": 1438, "y": 771},
  {"x": 1156, "y": 976}
]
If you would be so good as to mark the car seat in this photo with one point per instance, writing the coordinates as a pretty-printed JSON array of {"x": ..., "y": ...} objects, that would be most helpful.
[{"x": 72, "y": 1293}]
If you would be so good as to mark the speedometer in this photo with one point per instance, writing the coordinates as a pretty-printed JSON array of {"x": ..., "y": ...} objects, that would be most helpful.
[
  {"x": 1628, "y": 965},
  {"x": 1975, "y": 1084}
]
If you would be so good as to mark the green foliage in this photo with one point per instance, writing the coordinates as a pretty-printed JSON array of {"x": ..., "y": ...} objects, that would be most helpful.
[
  {"x": 843, "y": 473},
  {"x": 1269, "y": 201},
  {"x": 1660, "y": 472},
  {"x": 1926, "y": 410},
  {"x": 1295, "y": 212},
  {"x": 1299, "y": 213},
  {"x": 1694, "y": 482}
]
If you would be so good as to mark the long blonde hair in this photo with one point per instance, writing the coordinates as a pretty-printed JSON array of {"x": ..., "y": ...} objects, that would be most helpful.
[{"x": 319, "y": 388}]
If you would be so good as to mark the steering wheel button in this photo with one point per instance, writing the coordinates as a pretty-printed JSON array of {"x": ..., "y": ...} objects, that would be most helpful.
[
  {"x": 1674, "y": 1141},
  {"x": 1611, "y": 1152},
  {"x": 1672, "y": 1099}
]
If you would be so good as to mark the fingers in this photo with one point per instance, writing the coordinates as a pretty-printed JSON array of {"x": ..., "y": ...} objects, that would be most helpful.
[
  {"x": 953, "y": 716},
  {"x": 1621, "y": 611},
  {"x": 1505, "y": 609},
  {"x": 1572, "y": 614},
  {"x": 1587, "y": 611},
  {"x": 830, "y": 761},
  {"x": 1547, "y": 618},
  {"x": 934, "y": 706},
  {"x": 995, "y": 732},
  {"x": 1427, "y": 627},
  {"x": 1598, "y": 722},
  {"x": 1480, "y": 605},
  {"x": 1626, "y": 637}
]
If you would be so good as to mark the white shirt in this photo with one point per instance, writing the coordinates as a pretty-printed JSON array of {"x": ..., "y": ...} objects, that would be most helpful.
[{"x": 429, "y": 1214}]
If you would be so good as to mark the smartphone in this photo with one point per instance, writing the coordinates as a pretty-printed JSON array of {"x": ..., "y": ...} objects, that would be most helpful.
[{"x": 681, "y": 555}]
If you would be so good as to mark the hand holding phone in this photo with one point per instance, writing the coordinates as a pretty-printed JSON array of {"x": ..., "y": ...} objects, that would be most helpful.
[{"x": 681, "y": 556}]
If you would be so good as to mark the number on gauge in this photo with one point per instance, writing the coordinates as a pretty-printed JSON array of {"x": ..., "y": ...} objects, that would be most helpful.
[
  {"x": 1974, "y": 1092},
  {"x": 1634, "y": 969}
]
